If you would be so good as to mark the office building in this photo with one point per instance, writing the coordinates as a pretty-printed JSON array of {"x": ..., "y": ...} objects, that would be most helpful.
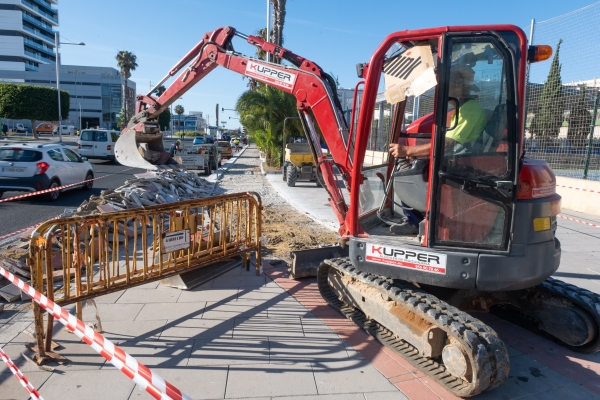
[
  {"x": 95, "y": 92},
  {"x": 27, "y": 34}
]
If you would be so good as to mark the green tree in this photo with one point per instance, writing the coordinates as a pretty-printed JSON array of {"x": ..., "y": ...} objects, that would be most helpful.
[
  {"x": 179, "y": 110},
  {"x": 36, "y": 103},
  {"x": 262, "y": 112},
  {"x": 579, "y": 120},
  {"x": 164, "y": 119},
  {"x": 127, "y": 62},
  {"x": 550, "y": 113}
]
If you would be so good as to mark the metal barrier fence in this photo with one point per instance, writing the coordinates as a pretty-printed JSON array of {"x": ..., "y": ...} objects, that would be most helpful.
[
  {"x": 100, "y": 254},
  {"x": 562, "y": 126}
]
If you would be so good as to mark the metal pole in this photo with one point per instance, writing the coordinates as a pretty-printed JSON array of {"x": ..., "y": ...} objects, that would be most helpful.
[
  {"x": 79, "y": 116},
  {"x": 56, "y": 38},
  {"x": 268, "y": 25},
  {"x": 526, "y": 105},
  {"x": 588, "y": 149},
  {"x": 283, "y": 138}
]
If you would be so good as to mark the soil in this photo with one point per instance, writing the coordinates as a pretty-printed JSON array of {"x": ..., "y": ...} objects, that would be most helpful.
[
  {"x": 284, "y": 227},
  {"x": 270, "y": 169}
]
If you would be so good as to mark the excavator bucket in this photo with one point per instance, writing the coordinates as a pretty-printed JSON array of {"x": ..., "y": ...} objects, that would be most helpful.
[
  {"x": 305, "y": 263},
  {"x": 140, "y": 150}
]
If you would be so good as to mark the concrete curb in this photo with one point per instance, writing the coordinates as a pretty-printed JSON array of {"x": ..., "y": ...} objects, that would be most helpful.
[{"x": 262, "y": 170}]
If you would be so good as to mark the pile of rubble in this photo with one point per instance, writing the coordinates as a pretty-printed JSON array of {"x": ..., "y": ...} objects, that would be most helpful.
[
  {"x": 151, "y": 188},
  {"x": 166, "y": 185}
]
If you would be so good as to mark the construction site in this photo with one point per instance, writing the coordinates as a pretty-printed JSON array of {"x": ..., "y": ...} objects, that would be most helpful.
[{"x": 436, "y": 240}]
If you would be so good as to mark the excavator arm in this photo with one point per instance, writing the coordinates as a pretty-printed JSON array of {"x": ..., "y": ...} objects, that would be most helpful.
[{"x": 141, "y": 145}]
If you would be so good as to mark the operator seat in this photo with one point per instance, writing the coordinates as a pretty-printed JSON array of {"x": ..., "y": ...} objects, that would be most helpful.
[{"x": 410, "y": 183}]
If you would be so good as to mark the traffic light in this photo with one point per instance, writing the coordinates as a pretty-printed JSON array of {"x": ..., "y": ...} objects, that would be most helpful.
[{"x": 245, "y": 130}]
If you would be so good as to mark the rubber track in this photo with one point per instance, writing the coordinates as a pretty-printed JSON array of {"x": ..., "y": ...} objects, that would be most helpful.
[
  {"x": 487, "y": 353},
  {"x": 585, "y": 299}
]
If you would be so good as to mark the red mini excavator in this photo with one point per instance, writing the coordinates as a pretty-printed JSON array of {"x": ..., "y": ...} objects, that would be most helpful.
[{"x": 483, "y": 216}]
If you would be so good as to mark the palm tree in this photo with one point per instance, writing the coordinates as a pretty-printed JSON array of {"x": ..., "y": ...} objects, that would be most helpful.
[
  {"x": 160, "y": 90},
  {"x": 278, "y": 22},
  {"x": 179, "y": 110},
  {"x": 263, "y": 112},
  {"x": 126, "y": 61}
]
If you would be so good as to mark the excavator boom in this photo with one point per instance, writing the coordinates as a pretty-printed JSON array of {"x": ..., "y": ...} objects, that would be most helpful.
[{"x": 141, "y": 144}]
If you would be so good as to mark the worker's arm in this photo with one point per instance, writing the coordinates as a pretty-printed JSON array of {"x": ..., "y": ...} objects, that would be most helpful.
[{"x": 421, "y": 150}]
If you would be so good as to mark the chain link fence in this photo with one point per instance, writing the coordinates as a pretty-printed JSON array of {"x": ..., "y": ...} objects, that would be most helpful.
[{"x": 563, "y": 125}]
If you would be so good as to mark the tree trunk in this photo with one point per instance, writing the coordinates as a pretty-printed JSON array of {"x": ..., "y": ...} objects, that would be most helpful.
[{"x": 33, "y": 131}]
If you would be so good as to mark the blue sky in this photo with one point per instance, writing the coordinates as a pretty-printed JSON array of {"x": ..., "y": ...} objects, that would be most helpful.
[{"x": 334, "y": 34}]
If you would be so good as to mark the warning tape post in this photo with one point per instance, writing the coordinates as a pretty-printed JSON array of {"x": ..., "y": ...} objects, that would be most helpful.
[{"x": 152, "y": 383}]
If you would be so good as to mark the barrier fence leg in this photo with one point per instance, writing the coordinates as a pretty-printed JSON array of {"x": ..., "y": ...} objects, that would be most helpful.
[
  {"x": 79, "y": 311},
  {"x": 37, "y": 280}
]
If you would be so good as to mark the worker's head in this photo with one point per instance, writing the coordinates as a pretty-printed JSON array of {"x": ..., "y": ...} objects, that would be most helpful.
[
  {"x": 461, "y": 81},
  {"x": 178, "y": 141}
]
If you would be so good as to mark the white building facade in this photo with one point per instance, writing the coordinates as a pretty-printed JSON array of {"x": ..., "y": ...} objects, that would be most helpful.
[{"x": 27, "y": 34}]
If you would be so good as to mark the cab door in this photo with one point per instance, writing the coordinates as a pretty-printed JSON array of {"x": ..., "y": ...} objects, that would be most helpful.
[{"x": 474, "y": 169}]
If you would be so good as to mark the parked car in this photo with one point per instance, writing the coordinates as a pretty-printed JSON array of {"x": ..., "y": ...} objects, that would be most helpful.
[
  {"x": 210, "y": 150},
  {"x": 46, "y": 127},
  {"x": 66, "y": 130},
  {"x": 209, "y": 139},
  {"x": 97, "y": 143},
  {"x": 19, "y": 128},
  {"x": 198, "y": 140},
  {"x": 225, "y": 149},
  {"x": 33, "y": 167}
]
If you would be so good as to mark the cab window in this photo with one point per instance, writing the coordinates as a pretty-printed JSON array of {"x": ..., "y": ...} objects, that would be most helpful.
[
  {"x": 87, "y": 136},
  {"x": 101, "y": 136}
]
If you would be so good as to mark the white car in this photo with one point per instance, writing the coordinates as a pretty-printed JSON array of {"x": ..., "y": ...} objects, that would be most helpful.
[{"x": 31, "y": 167}]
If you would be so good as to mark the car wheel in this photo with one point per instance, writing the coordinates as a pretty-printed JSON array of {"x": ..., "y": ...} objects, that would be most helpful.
[
  {"x": 54, "y": 195},
  {"x": 1, "y": 193},
  {"x": 208, "y": 170},
  {"x": 88, "y": 185}
]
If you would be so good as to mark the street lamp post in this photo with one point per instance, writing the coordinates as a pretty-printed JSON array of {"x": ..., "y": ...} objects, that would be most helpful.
[
  {"x": 79, "y": 116},
  {"x": 57, "y": 42}
]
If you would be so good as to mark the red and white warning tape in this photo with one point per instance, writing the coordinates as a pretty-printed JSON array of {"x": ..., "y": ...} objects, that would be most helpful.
[
  {"x": 33, "y": 393},
  {"x": 23, "y": 230},
  {"x": 578, "y": 220},
  {"x": 22, "y": 196},
  {"x": 156, "y": 386},
  {"x": 574, "y": 188}
]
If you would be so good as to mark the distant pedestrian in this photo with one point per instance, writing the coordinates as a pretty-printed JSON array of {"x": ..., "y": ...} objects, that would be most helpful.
[
  {"x": 175, "y": 147},
  {"x": 5, "y": 129}
]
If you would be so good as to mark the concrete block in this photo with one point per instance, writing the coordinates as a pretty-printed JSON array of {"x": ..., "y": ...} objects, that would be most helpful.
[
  {"x": 170, "y": 311},
  {"x": 203, "y": 328},
  {"x": 307, "y": 350},
  {"x": 159, "y": 295},
  {"x": 350, "y": 377},
  {"x": 158, "y": 353},
  {"x": 89, "y": 385},
  {"x": 229, "y": 352},
  {"x": 579, "y": 194},
  {"x": 256, "y": 380},
  {"x": 198, "y": 382}
]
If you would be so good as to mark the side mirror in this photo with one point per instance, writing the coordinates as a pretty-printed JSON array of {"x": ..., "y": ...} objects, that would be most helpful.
[{"x": 84, "y": 159}]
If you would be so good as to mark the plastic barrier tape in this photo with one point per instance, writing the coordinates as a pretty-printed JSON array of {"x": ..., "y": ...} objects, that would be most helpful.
[
  {"x": 156, "y": 386},
  {"x": 22, "y": 196},
  {"x": 578, "y": 220},
  {"x": 33, "y": 393}
]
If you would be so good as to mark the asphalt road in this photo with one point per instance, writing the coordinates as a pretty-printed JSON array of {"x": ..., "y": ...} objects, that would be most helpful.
[{"x": 18, "y": 214}]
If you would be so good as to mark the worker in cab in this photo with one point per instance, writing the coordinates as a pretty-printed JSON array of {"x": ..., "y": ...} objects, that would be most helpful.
[
  {"x": 175, "y": 147},
  {"x": 468, "y": 123},
  {"x": 472, "y": 118}
]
